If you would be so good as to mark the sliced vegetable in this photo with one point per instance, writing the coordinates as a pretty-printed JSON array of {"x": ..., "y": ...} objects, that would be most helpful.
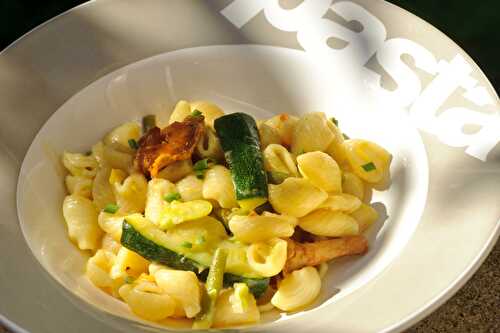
[
  {"x": 201, "y": 165},
  {"x": 171, "y": 197},
  {"x": 178, "y": 212},
  {"x": 111, "y": 208},
  {"x": 148, "y": 122},
  {"x": 213, "y": 286},
  {"x": 369, "y": 167},
  {"x": 241, "y": 144}
]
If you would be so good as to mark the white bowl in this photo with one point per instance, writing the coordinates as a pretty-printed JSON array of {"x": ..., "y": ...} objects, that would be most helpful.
[{"x": 439, "y": 218}]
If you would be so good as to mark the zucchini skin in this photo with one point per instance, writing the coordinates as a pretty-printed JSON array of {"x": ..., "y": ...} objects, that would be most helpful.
[
  {"x": 240, "y": 142},
  {"x": 133, "y": 240}
]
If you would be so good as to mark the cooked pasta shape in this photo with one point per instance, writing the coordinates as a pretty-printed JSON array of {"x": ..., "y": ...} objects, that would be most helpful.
[
  {"x": 267, "y": 258},
  {"x": 209, "y": 110},
  {"x": 209, "y": 146},
  {"x": 278, "y": 158},
  {"x": 98, "y": 268},
  {"x": 284, "y": 125},
  {"x": 190, "y": 188},
  {"x": 155, "y": 202},
  {"x": 81, "y": 218},
  {"x": 226, "y": 316},
  {"x": 336, "y": 149},
  {"x": 176, "y": 171},
  {"x": 131, "y": 194},
  {"x": 181, "y": 110},
  {"x": 352, "y": 184},
  {"x": 218, "y": 185},
  {"x": 368, "y": 160},
  {"x": 255, "y": 228},
  {"x": 297, "y": 290},
  {"x": 102, "y": 191},
  {"x": 296, "y": 197},
  {"x": 80, "y": 165},
  {"x": 119, "y": 137},
  {"x": 321, "y": 170},
  {"x": 110, "y": 244},
  {"x": 79, "y": 185},
  {"x": 148, "y": 301},
  {"x": 128, "y": 263},
  {"x": 188, "y": 295},
  {"x": 155, "y": 267},
  {"x": 365, "y": 215},
  {"x": 268, "y": 135},
  {"x": 111, "y": 224},
  {"x": 326, "y": 222},
  {"x": 117, "y": 159},
  {"x": 311, "y": 133},
  {"x": 341, "y": 202}
]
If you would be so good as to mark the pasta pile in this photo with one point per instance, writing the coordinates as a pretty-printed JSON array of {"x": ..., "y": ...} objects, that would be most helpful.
[{"x": 320, "y": 186}]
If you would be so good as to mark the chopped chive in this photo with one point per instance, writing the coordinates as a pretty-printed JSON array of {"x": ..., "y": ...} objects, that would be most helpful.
[
  {"x": 171, "y": 197},
  {"x": 335, "y": 121},
  {"x": 200, "y": 240},
  {"x": 200, "y": 174},
  {"x": 133, "y": 144},
  {"x": 187, "y": 245},
  {"x": 201, "y": 165},
  {"x": 196, "y": 113},
  {"x": 111, "y": 208},
  {"x": 148, "y": 122},
  {"x": 277, "y": 177},
  {"x": 129, "y": 279},
  {"x": 369, "y": 167},
  {"x": 345, "y": 136}
]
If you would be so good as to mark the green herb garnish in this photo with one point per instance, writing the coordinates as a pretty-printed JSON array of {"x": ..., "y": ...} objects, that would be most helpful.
[
  {"x": 187, "y": 245},
  {"x": 171, "y": 197},
  {"x": 201, "y": 165},
  {"x": 369, "y": 167},
  {"x": 133, "y": 144},
  {"x": 345, "y": 136},
  {"x": 148, "y": 122},
  {"x": 200, "y": 174},
  {"x": 196, "y": 113},
  {"x": 129, "y": 279},
  {"x": 335, "y": 121},
  {"x": 277, "y": 177},
  {"x": 111, "y": 208}
]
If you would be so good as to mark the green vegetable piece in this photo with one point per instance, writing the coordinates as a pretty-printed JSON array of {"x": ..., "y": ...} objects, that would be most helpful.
[
  {"x": 277, "y": 177},
  {"x": 345, "y": 136},
  {"x": 129, "y": 279},
  {"x": 201, "y": 165},
  {"x": 335, "y": 121},
  {"x": 111, "y": 208},
  {"x": 200, "y": 174},
  {"x": 213, "y": 286},
  {"x": 171, "y": 197},
  {"x": 133, "y": 144},
  {"x": 196, "y": 113},
  {"x": 187, "y": 245},
  {"x": 148, "y": 122},
  {"x": 369, "y": 167}
]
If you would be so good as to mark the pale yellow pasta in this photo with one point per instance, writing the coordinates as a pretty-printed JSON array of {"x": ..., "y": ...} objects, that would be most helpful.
[
  {"x": 176, "y": 171},
  {"x": 155, "y": 267},
  {"x": 267, "y": 258},
  {"x": 80, "y": 165},
  {"x": 190, "y": 188},
  {"x": 268, "y": 135},
  {"x": 102, "y": 191},
  {"x": 284, "y": 125},
  {"x": 209, "y": 110},
  {"x": 81, "y": 218},
  {"x": 382, "y": 185},
  {"x": 109, "y": 243},
  {"x": 155, "y": 202},
  {"x": 341, "y": 202},
  {"x": 336, "y": 149},
  {"x": 226, "y": 316},
  {"x": 352, "y": 184},
  {"x": 256, "y": 228},
  {"x": 368, "y": 160},
  {"x": 182, "y": 286},
  {"x": 278, "y": 158},
  {"x": 181, "y": 110},
  {"x": 209, "y": 146},
  {"x": 321, "y": 170},
  {"x": 367, "y": 196},
  {"x": 326, "y": 222},
  {"x": 111, "y": 224},
  {"x": 98, "y": 268},
  {"x": 148, "y": 301},
  {"x": 98, "y": 152},
  {"x": 131, "y": 194},
  {"x": 365, "y": 215},
  {"x": 296, "y": 197},
  {"x": 297, "y": 290},
  {"x": 117, "y": 159},
  {"x": 322, "y": 269},
  {"x": 120, "y": 136},
  {"x": 218, "y": 185},
  {"x": 128, "y": 263},
  {"x": 311, "y": 133},
  {"x": 79, "y": 185}
]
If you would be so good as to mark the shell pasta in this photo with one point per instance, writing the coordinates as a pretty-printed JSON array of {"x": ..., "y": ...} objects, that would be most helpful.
[{"x": 216, "y": 218}]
